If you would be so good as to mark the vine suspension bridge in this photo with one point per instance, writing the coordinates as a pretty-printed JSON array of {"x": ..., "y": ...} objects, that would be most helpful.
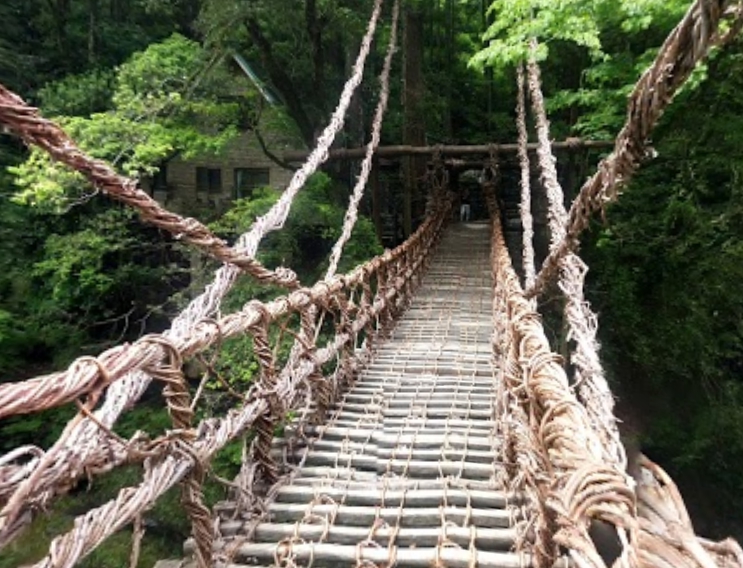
[{"x": 433, "y": 426}]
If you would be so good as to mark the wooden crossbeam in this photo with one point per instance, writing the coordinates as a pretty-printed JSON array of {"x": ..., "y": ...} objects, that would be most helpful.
[{"x": 464, "y": 150}]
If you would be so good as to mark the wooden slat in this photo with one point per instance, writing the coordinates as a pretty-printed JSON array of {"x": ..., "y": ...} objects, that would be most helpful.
[
  {"x": 484, "y": 539},
  {"x": 372, "y": 496},
  {"x": 431, "y": 437},
  {"x": 414, "y": 557},
  {"x": 432, "y": 454},
  {"x": 416, "y": 517},
  {"x": 409, "y": 408},
  {"x": 401, "y": 398},
  {"x": 402, "y": 483},
  {"x": 401, "y": 466},
  {"x": 395, "y": 423}
]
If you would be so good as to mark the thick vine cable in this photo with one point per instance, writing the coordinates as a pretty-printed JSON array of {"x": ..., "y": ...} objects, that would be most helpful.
[
  {"x": 366, "y": 166},
  {"x": 70, "y": 457},
  {"x": 310, "y": 329},
  {"x": 579, "y": 485},
  {"x": 591, "y": 383},
  {"x": 686, "y": 45},
  {"x": 527, "y": 221}
]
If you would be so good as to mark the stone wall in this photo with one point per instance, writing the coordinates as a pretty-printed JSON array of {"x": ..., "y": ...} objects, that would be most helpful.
[{"x": 212, "y": 181}]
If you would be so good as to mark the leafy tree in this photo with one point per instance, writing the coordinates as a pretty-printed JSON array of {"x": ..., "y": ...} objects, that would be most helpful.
[
  {"x": 668, "y": 269},
  {"x": 592, "y": 53},
  {"x": 313, "y": 226},
  {"x": 583, "y": 22},
  {"x": 161, "y": 106},
  {"x": 303, "y": 50}
]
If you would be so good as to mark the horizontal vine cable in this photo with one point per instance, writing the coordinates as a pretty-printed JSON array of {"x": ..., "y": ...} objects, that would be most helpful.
[
  {"x": 590, "y": 380},
  {"x": 70, "y": 458},
  {"x": 685, "y": 46}
]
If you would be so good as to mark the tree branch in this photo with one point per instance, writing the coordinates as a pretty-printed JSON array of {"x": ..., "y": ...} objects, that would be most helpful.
[{"x": 281, "y": 81}]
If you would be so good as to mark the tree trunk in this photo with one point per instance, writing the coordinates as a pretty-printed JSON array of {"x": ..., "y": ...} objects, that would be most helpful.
[
  {"x": 93, "y": 9},
  {"x": 314, "y": 31},
  {"x": 414, "y": 128}
]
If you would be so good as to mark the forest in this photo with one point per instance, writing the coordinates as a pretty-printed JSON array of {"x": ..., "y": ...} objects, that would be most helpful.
[{"x": 139, "y": 83}]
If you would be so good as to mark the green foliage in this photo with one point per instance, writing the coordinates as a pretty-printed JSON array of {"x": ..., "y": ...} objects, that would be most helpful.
[
  {"x": 160, "y": 109},
  {"x": 668, "y": 274},
  {"x": 166, "y": 525},
  {"x": 591, "y": 51},
  {"x": 304, "y": 243},
  {"x": 78, "y": 95},
  {"x": 314, "y": 224},
  {"x": 79, "y": 281},
  {"x": 590, "y": 24},
  {"x": 516, "y": 22}
]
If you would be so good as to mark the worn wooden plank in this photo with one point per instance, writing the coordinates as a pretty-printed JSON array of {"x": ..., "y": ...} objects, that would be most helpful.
[
  {"x": 351, "y": 515},
  {"x": 416, "y": 407},
  {"x": 370, "y": 495},
  {"x": 414, "y": 557},
  {"x": 385, "y": 453},
  {"x": 430, "y": 436},
  {"x": 363, "y": 393},
  {"x": 484, "y": 539},
  {"x": 403, "y": 483},
  {"x": 401, "y": 465},
  {"x": 425, "y": 439},
  {"x": 390, "y": 424}
]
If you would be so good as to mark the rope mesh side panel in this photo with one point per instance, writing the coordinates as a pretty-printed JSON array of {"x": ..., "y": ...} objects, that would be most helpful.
[
  {"x": 168, "y": 462},
  {"x": 576, "y": 485}
]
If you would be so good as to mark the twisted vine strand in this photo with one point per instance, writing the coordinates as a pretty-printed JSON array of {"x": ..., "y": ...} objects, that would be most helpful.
[
  {"x": 527, "y": 221},
  {"x": 582, "y": 323}
]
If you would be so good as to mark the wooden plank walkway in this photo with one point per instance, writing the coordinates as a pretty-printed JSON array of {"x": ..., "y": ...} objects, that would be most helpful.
[{"x": 405, "y": 471}]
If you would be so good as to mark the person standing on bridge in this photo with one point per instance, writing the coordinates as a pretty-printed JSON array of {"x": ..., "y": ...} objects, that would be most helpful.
[{"x": 464, "y": 208}]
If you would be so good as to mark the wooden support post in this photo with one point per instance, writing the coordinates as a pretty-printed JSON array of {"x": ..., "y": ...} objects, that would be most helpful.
[{"x": 376, "y": 200}]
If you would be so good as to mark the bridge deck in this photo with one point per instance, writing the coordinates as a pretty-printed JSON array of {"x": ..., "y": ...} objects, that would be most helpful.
[{"x": 405, "y": 470}]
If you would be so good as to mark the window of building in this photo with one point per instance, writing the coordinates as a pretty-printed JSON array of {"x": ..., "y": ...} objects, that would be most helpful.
[
  {"x": 209, "y": 180},
  {"x": 248, "y": 179},
  {"x": 160, "y": 178}
]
